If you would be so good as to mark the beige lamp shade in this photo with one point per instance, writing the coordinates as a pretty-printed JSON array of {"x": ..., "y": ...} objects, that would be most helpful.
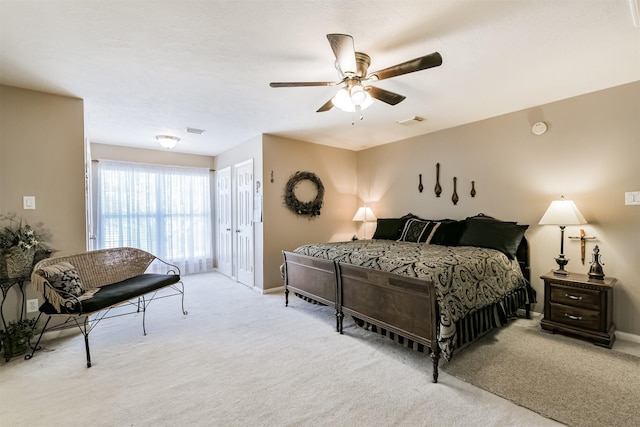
[
  {"x": 364, "y": 214},
  {"x": 562, "y": 212}
]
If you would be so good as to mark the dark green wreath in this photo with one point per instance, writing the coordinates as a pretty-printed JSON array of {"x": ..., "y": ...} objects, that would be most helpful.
[{"x": 311, "y": 208}]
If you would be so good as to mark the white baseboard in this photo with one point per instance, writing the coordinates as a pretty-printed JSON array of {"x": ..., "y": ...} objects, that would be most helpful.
[
  {"x": 277, "y": 290},
  {"x": 534, "y": 314},
  {"x": 625, "y": 336},
  {"x": 60, "y": 332}
]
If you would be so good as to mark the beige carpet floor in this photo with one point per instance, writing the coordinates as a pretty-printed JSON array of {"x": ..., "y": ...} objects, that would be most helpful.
[
  {"x": 240, "y": 359},
  {"x": 569, "y": 380}
]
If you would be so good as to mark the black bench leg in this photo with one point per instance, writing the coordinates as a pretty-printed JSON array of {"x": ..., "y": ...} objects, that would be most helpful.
[
  {"x": 85, "y": 332},
  {"x": 144, "y": 314},
  {"x": 36, "y": 347},
  {"x": 86, "y": 346},
  {"x": 184, "y": 312}
]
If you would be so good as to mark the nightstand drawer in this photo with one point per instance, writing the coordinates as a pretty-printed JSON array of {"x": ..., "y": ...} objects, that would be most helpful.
[
  {"x": 577, "y": 297},
  {"x": 575, "y": 316}
]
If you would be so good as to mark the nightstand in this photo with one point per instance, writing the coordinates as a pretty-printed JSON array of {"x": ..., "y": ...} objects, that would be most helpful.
[{"x": 579, "y": 305}]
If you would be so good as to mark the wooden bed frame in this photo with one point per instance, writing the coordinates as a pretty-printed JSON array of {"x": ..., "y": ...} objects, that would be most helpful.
[{"x": 403, "y": 305}]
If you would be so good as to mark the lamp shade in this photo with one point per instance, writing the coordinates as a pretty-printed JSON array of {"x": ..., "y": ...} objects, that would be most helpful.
[
  {"x": 562, "y": 212},
  {"x": 364, "y": 214}
]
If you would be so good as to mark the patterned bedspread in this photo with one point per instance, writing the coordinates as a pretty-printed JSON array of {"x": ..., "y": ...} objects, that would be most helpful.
[{"x": 466, "y": 278}]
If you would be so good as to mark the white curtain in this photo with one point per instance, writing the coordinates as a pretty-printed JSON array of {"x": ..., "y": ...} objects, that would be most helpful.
[{"x": 161, "y": 209}]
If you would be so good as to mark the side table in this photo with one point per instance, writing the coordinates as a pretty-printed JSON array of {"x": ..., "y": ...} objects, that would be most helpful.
[
  {"x": 5, "y": 285},
  {"x": 579, "y": 305}
]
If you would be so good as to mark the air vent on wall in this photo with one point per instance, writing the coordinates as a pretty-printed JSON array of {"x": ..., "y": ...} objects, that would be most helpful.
[{"x": 410, "y": 121}]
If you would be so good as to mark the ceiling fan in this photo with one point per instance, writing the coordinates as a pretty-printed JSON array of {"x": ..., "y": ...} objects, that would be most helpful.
[{"x": 352, "y": 68}]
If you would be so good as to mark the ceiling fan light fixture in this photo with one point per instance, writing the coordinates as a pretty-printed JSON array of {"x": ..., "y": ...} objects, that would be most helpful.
[
  {"x": 345, "y": 101},
  {"x": 167, "y": 141},
  {"x": 358, "y": 95},
  {"x": 368, "y": 101},
  {"x": 342, "y": 100}
]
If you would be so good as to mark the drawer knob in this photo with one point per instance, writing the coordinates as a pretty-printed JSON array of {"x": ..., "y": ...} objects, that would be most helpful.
[
  {"x": 573, "y": 317},
  {"x": 573, "y": 297}
]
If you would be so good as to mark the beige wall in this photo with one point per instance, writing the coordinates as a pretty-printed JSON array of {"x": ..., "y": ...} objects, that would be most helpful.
[
  {"x": 285, "y": 230},
  {"x": 589, "y": 154},
  {"x": 42, "y": 155},
  {"x": 153, "y": 157}
]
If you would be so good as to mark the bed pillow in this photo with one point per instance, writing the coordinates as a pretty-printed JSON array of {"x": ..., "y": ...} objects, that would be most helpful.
[
  {"x": 64, "y": 278},
  {"x": 494, "y": 234},
  {"x": 448, "y": 233},
  {"x": 413, "y": 230},
  {"x": 418, "y": 231},
  {"x": 391, "y": 228}
]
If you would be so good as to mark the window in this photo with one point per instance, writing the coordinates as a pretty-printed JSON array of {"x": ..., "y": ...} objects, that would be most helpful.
[{"x": 161, "y": 209}]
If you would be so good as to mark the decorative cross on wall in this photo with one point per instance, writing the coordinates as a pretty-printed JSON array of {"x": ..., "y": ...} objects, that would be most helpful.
[{"x": 583, "y": 240}]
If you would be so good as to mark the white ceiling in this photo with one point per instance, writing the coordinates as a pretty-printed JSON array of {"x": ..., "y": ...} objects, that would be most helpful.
[{"x": 153, "y": 67}]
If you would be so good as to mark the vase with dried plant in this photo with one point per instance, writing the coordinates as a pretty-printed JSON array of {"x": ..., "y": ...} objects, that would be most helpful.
[{"x": 21, "y": 245}]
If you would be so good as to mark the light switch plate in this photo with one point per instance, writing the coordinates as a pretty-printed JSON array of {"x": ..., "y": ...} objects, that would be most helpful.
[
  {"x": 632, "y": 198},
  {"x": 29, "y": 202}
]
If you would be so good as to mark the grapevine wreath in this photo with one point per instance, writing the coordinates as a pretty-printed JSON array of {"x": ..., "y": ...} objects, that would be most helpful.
[{"x": 311, "y": 208}]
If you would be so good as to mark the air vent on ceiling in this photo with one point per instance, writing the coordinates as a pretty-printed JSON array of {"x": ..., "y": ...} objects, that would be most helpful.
[
  {"x": 410, "y": 121},
  {"x": 196, "y": 131}
]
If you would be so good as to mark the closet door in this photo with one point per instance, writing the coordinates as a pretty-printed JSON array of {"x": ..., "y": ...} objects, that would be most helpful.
[
  {"x": 244, "y": 221},
  {"x": 225, "y": 234}
]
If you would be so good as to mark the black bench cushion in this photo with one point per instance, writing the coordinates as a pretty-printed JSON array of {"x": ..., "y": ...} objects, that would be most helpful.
[{"x": 117, "y": 293}]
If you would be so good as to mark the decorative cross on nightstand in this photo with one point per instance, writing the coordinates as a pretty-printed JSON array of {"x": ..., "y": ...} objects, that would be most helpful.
[{"x": 583, "y": 239}]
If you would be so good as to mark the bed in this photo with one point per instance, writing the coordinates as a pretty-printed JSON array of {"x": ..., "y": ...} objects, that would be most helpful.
[{"x": 431, "y": 285}]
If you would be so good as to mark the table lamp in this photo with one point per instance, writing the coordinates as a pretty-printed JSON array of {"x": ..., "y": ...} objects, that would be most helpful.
[
  {"x": 364, "y": 214},
  {"x": 562, "y": 213}
]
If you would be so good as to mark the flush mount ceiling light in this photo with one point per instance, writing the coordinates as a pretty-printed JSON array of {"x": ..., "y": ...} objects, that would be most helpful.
[{"x": 167, "y": 141}]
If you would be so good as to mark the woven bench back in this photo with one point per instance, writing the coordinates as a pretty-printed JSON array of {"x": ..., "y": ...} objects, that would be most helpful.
[{"x": 95, "y": 268}]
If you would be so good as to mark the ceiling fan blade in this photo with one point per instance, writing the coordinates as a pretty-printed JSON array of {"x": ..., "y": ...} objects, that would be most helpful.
[
  {"x": 390, "y": 98},
  {"x": 345, "y": 52},
  {"x": 326, "y": 107},
  {"x": 428, "y": 61},
  {"x": 299, "y": 84}
]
